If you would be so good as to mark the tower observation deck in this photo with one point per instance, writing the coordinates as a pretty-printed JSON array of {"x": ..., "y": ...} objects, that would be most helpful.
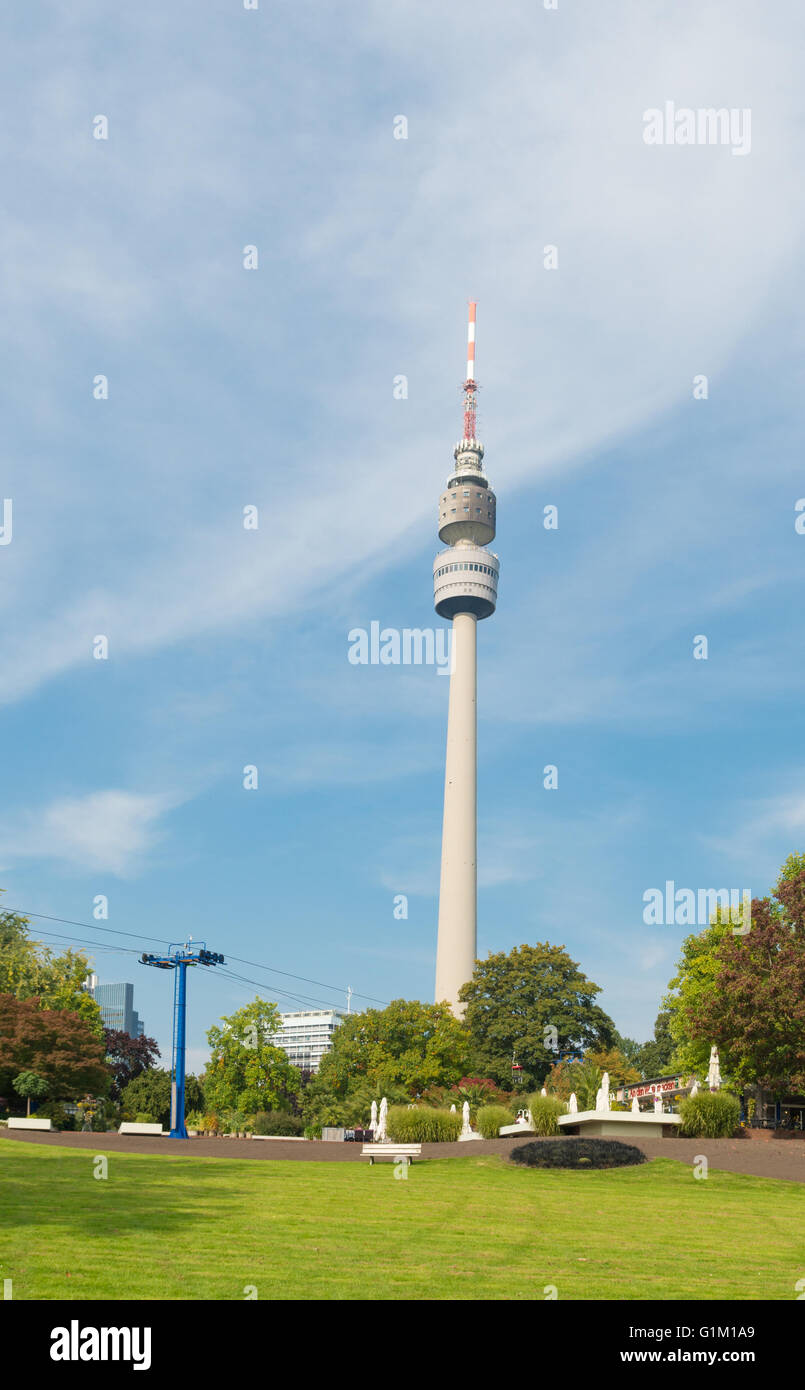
[{"x": 465, "y": 585}]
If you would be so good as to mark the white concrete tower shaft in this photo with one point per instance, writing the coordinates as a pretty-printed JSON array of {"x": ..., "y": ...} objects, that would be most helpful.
[{"x": 465, "y": 590}]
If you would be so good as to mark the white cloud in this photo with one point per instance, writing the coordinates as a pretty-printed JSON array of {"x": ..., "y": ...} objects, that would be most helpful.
[
  {"x": 762, "y": 833},
  {"x": 109, "y": 831},
  {"x": 570, "y": 360}
]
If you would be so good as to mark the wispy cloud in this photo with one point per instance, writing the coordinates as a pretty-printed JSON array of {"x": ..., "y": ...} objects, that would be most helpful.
[
  {"x": 762, "y": 833},
  {"x": 628, "y": 259},
  {"x": 110, "y": 831}
]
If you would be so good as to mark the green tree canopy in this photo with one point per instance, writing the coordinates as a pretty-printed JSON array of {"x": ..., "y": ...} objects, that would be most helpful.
[
  {"x": 407, "y": 1044},
  {"x": 630, "y": 1048},
  {"x": 514, "y": 1002},
  {"x": 246, "y": 1071},
  {"x": 695, "y": 982},
  {"x": 653, "y": 1058},
  {"x": 150, "y": 1094},
  {"x": 30, "y": 970},
  {"x": 29, "y": 1085}
]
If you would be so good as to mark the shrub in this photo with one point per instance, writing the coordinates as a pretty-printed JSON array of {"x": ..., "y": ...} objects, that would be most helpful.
[
  {"x": 55, "y": 1111},
  {"x": 210, "y": 1123},
  {"x": 145, "y": 1118},
  {"x": 477, "y": 1091},
  {"x": 710, "y": 1115},
  {"x": 490, "y": 1119},
  {"x": 277, "y": 1122},
  {"x": 195, "y": 1120},
  {"x": 313, "y": 1131},
  {"x": 545, "y": 1112},
  {"x": 577, "y": 1153},
  {"x": 422, "y": 1125},
  {"x": 231, "y": 1121}
]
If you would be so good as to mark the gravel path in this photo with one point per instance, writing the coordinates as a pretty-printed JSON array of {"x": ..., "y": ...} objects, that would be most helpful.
[{"x": 778, "y": 1158}]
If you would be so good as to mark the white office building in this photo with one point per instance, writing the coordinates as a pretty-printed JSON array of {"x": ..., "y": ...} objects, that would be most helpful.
[{"x": 306, "y": 1035}]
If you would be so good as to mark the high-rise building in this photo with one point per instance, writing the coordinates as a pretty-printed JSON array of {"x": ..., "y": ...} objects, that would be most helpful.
[
  {"x": 116, "y": 1003},
  {"x": 465, "y": 580},
  {"x": 307, "y": 1034}
]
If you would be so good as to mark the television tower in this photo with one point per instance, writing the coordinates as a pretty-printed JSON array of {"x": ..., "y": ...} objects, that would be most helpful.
[{"x": 465, "y": 583}]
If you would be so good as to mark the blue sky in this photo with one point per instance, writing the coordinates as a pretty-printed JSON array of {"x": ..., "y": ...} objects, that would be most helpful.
[{"x": 273, "y": 387}]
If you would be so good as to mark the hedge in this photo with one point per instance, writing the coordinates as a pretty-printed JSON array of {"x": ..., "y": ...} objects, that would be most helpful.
[
  {"x": 710, "y": 1115},
  {"x": 422, "y": 1125},
  {"x": 277, "y": 1122}
]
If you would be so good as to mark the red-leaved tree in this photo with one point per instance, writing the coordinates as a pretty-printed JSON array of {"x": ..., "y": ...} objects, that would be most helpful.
[
  {"x": 127, "y": 1057},
  {"x": 55, "y": 1044}
]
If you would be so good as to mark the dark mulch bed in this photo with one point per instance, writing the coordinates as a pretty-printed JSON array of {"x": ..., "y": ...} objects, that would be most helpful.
[{"x": 577, "y": 1153}]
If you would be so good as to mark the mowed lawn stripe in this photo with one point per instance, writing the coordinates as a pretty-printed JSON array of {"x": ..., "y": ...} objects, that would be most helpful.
[{"x": 207, "y": 1228}]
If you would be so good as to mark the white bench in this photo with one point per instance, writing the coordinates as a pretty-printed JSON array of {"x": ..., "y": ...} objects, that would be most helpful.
[
  {"x": 131, "y": 1127},
  {"x": 407, "y": 1151},
  {"x": 29, "y": 1123}
]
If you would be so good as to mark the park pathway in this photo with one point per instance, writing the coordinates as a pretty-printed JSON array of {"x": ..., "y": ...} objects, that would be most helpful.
[{"x": 775, "y": 1158}]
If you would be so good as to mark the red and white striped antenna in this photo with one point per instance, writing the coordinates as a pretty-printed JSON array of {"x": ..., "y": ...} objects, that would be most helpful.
[{"x": 470, "y": 385}]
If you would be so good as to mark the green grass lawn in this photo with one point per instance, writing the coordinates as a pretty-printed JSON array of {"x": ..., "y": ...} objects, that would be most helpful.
[{"x": 476, "y": 1228}]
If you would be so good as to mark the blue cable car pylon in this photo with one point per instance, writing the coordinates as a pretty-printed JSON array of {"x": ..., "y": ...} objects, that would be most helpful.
[{"x": 178, "y": 958}]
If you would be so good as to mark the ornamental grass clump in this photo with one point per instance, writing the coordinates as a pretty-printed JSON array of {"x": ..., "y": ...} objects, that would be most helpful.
[
  {"x": 577, "y": 1153},
  {"x": 422, "y": 1125},
  {"x": 491, "y": 1118},
  {"x": 709, "y": 1115},
  {"x": 545, "y": 1112}
]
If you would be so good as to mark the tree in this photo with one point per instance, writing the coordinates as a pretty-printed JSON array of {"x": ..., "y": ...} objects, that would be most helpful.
[
  {"x": 55, "y": 1043},
  {"x": 406, "y": 1051},
  {"x": 321, "y": 1106},
  {"x": 407, "y": 1044},
  {"x": 695, "y": 981},
  {"x": 654, "y": 1057},
  {"x": 631, "y": 1049},
  {"x": 127, "y": 1057},
  {"x": 28, "y": 1084},
  {"x": 246, "y": 1071},
  {"x": 756, "y": 1013},
  {"x": 150, "y": 1093},
  {"x": 581, "y": 1079},
  {"x": 529, "y": 1002},
  {"x": 612, "y": 1061},
  {"x": 30, "y": 970},
  {"x": 742, "y": 986}
]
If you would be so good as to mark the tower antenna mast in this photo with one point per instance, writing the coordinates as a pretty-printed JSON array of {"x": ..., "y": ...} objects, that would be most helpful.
[{"x": 470, "y": 385}]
